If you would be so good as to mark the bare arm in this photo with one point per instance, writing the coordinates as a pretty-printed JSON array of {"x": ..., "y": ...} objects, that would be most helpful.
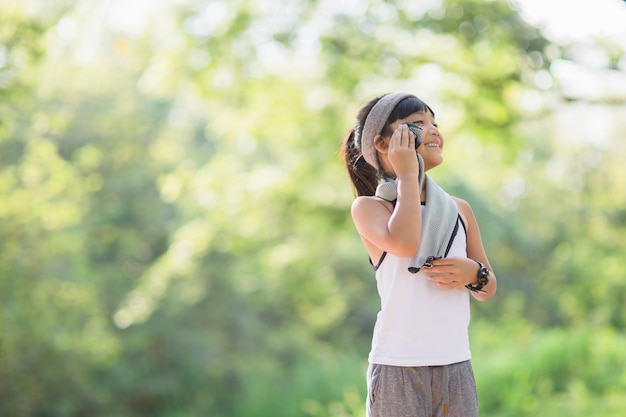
[{"x": 383, "y": 227}]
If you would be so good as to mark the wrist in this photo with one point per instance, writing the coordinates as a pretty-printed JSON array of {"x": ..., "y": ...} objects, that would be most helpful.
[
  {"x": 482, "y": 279},
  {"x": 408, "y": 183},
  {"x": 409, "y": 176}
]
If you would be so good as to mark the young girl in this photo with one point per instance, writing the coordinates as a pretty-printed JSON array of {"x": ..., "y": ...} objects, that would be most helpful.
[{"x": 426, "y": 250}]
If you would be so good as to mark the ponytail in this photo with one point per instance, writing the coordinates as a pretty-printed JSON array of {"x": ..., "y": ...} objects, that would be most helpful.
[{"x": 364, "y": 177}]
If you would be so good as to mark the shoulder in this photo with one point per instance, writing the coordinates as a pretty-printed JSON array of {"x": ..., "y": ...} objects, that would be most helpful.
[
  {"x": 366, "y": 209},
  {"x": 462, "y": 204},
  {"x": 465, "y": 210},
  {"x": 368, "y": 203}
]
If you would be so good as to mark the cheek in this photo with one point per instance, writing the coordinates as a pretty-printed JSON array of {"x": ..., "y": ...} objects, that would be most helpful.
[{"x": 431, "y": 159}]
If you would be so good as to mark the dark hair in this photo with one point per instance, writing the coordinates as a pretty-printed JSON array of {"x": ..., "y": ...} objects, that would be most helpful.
[{"x": 365, "y": 177}]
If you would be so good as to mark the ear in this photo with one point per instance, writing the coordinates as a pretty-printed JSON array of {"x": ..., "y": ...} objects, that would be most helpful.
[{"x": 381, "y": 144}]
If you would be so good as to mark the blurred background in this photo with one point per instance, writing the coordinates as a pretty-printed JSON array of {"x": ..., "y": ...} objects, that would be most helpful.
[{"x": 175, "y": 236}]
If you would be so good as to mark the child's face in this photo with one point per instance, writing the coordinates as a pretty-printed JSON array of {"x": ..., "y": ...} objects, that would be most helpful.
[{"x": 432, "y": 139}]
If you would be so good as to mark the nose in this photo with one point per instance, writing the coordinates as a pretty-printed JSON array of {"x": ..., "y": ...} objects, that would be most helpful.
[{"x": 433, "y": 130}]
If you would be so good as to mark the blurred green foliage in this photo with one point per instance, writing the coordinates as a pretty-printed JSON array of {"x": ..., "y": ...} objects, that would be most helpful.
[{"x": 175, "y": 238}]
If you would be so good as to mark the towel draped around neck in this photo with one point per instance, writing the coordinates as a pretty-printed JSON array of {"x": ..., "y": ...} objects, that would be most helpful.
[{"x": 439, "y": 222}]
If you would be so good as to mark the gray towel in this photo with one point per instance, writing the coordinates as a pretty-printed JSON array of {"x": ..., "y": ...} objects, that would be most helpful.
[{"x": 438, "y": 222}]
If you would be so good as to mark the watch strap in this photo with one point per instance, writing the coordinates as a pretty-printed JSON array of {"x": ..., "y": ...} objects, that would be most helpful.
[{"x": 479, "y": 287}]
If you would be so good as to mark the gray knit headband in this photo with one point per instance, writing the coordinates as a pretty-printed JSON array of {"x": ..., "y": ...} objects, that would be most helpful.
[{"x": 374, "y": 124}]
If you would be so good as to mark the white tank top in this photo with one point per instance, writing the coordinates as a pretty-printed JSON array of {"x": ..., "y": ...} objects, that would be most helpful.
[{"x": 420, "y": 324}]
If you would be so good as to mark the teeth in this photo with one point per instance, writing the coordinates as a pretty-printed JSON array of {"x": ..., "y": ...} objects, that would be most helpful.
[{"x": 432, "y": 145}]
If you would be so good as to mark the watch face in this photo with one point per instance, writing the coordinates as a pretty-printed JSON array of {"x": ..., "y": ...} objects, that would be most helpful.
[{"x": 483, "y": 276}]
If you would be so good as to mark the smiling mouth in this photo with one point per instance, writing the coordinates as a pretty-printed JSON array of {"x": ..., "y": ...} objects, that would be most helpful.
[{"x": 432, "y": 145}]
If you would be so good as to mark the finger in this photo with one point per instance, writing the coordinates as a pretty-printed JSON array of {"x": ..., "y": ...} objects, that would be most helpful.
[
  {"x": 442, "y": 261},
  {"x": 394, "y": 142},
  {"x": 396, "y": 139},
  {"x": 441, "y": 278},
  {"x": 440, "y": 269},
  {"x": 445, "y": 286},
  {"x": 404, "y": 140}
]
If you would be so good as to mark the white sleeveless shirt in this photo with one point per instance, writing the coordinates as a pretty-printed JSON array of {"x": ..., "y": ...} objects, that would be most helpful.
[{"x": 420, "y": 324}]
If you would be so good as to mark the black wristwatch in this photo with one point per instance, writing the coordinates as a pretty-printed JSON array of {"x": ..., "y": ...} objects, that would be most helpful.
[{"x": 483, "y": 279}]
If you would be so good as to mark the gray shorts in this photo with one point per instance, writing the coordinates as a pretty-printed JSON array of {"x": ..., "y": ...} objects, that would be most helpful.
[{"x": 421, "y": 391}]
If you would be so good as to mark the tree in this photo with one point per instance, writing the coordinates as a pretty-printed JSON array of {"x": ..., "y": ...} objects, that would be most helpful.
[{"x": 175, "y": 237}]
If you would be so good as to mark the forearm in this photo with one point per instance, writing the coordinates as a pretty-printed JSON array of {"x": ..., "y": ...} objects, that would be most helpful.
[{"x": 405, "y": 223}]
